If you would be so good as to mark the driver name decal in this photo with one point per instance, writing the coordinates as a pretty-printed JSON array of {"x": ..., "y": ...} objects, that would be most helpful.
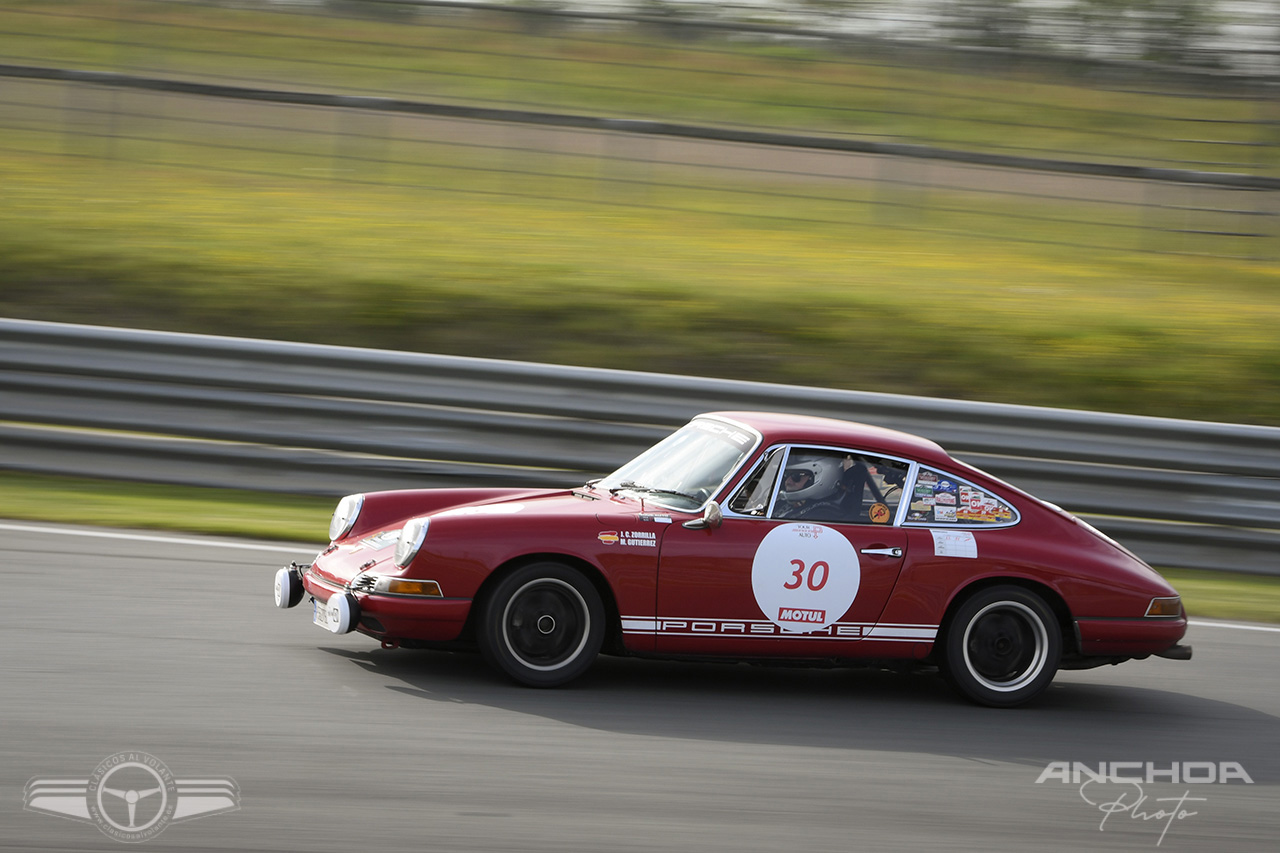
[
  {"x": 805, "y": 577},
  {"x": 640, "y": 538},
  {"x": 632, "y": 538}
]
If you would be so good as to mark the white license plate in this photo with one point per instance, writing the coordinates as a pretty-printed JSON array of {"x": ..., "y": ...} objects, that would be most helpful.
[{"x": 320, "y": 613}]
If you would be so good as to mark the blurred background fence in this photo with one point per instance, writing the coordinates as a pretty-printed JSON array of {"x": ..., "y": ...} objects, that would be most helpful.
[{"x": 1109, "y": 126}]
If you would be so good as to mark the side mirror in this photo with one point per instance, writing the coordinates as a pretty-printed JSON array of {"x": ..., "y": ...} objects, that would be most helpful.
[{"x": 712, "y": 518}]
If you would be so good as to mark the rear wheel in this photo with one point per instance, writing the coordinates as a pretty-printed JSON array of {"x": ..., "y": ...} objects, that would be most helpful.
[
  {"x": 543, "y": 625},
  {"x": 1002, "y": 647}
]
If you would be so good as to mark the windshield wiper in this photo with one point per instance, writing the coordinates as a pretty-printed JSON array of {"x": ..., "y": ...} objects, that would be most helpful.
[
  {"x": 586, "y": 490},
  {"x": 628, "y": 485}
]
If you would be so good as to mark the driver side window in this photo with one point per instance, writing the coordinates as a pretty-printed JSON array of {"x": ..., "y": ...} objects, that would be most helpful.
[
  {"x": 753, "y": 498},
  {"x": 839, "y": 486}
]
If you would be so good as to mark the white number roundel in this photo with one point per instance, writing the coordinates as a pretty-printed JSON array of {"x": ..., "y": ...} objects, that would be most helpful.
[{"x": 805, "y": 576}]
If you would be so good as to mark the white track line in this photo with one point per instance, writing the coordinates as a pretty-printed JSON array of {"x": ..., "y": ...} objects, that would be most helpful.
[
  {"x": 1200, "y": 623},
  {"x": 168, "y": 540}
]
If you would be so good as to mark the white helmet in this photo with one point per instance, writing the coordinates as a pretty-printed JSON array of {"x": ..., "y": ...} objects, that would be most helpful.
[{"x": 824, "y": 476}]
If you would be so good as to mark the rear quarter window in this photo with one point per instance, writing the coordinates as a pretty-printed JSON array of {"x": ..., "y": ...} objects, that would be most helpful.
[{"x": 939, "y": 499}]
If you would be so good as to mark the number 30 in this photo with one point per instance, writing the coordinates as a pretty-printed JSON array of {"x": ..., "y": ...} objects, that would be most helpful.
[{"x": 797, "y": 576}]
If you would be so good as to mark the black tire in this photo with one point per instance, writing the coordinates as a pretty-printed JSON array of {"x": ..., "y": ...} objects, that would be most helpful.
[
  {"x": 542, "y": 625},
  {"x": 1002, "y": 647}
]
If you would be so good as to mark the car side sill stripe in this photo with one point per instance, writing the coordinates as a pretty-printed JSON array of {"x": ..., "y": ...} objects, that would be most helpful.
[{"x": 685, "y": 627}]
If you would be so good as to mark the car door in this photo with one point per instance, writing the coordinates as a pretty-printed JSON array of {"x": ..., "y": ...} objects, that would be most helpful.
[{"x": 777, "y": 578}]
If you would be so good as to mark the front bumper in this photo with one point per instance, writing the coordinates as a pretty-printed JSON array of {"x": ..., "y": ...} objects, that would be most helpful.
[{"x": 390, "y": 617}]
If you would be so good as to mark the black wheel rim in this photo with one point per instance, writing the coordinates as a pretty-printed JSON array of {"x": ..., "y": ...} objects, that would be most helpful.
[
  {"x": 1005, "y": 646},
  {"x": 545, "y": 624}
]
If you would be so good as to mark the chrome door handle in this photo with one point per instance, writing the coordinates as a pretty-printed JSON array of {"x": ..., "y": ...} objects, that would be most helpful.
[{"x": 882, "y": 552}]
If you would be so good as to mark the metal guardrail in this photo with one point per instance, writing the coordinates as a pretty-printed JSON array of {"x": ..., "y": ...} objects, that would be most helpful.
[{"x": 288, "y": 417}]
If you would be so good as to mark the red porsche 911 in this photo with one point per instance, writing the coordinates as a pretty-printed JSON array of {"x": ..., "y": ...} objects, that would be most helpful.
[{"x": 748, "y": 536}]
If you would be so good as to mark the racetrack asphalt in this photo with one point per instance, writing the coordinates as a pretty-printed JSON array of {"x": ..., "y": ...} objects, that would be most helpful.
[{"x": 172, "y": 646}]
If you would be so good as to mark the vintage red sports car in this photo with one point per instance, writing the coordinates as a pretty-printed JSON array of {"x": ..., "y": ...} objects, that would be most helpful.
[{"x": 749, "y": 536}]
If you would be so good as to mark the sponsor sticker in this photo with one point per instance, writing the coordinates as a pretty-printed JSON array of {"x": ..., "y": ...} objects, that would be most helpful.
[
  {"x": 716, "y": 428},
  {"x": 385, "y": 539},
  {"x": 954, "y": 543},
  {"x": 791, "y": 614},
  {"x": 977, "y": 505}
]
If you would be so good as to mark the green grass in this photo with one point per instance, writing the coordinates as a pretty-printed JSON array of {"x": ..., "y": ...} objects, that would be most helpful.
[
  {"x": 1227, "y": 595},
  {"x": 110, "y": 503},
  {"x": 30, "y": 497}
]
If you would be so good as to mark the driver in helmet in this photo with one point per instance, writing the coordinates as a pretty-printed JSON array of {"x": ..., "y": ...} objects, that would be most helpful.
[{"x": 811, "y": 487}]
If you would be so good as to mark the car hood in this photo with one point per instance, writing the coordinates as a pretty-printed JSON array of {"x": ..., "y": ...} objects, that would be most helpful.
[
  {"x": 560, "y": 505},
  {"x": 477, "y": 517},
  {"x": 342, "y": 562}
]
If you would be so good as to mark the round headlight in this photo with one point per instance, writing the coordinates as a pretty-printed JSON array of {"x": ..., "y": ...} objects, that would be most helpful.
[
  {"x": 411, "y": 538},
  {"x": 344, "y": 517}
]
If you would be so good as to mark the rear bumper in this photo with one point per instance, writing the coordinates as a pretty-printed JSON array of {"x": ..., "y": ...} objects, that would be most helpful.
[
  {"x": 1178, "y": 652},
  {"x": 399, "y": 617},
  {"x": 1132, "y": 637}
]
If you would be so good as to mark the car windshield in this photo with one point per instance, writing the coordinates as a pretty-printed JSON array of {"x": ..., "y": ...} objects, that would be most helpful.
[{"x": 685, "y": 469}]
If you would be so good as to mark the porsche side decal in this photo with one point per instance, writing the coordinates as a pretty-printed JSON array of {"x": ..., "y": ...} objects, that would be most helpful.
[{"x": 691, "y": 627}]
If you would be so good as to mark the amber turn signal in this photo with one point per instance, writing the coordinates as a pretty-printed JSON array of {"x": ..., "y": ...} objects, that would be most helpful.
[
  {"x": 397, "y": 586},
  {"x": 1165, "y": 606}
]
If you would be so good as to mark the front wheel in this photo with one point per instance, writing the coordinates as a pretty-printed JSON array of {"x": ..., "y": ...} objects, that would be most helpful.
[
  {"x": 543, "y": 625},
  {"x": 1002, "y": 647}
]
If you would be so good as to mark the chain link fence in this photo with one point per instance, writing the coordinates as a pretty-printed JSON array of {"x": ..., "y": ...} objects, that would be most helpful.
[{"x": 821, "y": 115}]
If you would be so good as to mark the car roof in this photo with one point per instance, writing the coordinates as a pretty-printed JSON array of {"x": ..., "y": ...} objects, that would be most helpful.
[{"x": 778, "y": 428}]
